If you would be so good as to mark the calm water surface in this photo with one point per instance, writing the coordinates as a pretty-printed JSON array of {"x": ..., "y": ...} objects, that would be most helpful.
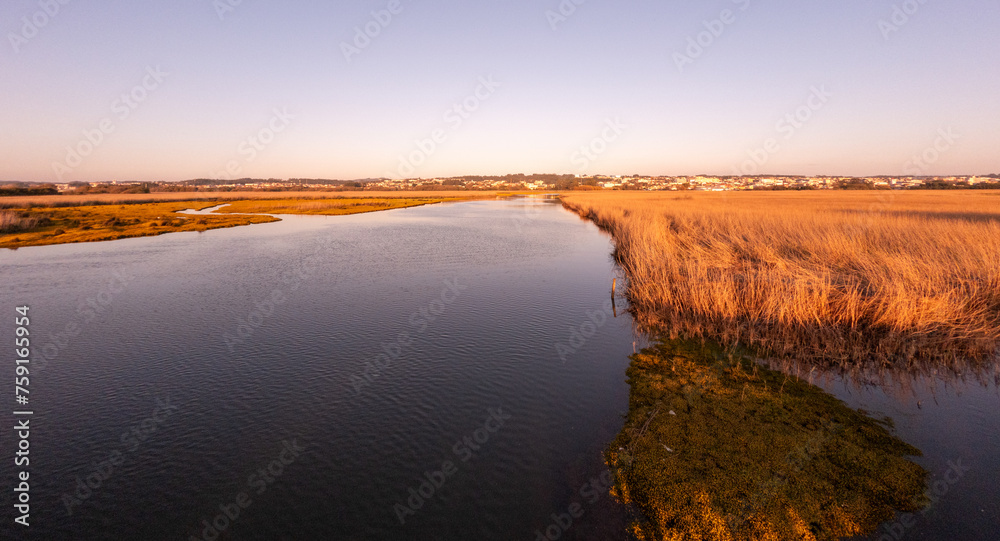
[
  {"x": 956, "y": 424},
  {"x": 260, "y": 335}
]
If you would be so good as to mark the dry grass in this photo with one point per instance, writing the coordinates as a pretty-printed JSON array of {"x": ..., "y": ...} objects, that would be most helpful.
[
  {"x": 330, "y": 207},
  {"x": 14, "y": 221},
  {"x": 122, "y": 199},
  {"x": 67, "y": 219},
  {"x": 845, "y": 277},
  {"x": 111, "y": 222}
]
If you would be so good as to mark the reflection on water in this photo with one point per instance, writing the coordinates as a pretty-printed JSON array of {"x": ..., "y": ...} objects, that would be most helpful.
[
  {"x": 258, "y": 334},
  {"x": 209, "y": 210},
  {"x": 955, "y": 422},
  {"x": 946, "y": 416},
  {"x": 951, "y": 414}
]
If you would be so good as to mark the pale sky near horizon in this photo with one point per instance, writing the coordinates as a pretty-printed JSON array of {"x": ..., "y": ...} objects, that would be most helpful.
[{"x": 266, "y": 89}]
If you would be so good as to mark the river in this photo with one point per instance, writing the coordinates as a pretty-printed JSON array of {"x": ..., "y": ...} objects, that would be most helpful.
[{"x": 357, "y": 357}]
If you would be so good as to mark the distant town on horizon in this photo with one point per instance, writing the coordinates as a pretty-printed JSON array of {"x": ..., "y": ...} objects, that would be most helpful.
[{"x": 520, "y": 182}]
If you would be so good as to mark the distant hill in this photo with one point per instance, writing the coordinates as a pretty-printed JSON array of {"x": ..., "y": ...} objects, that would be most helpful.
[{"x": 26, "y": 188}]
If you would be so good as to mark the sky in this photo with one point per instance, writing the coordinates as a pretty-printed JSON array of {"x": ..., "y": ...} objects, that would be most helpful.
[{"x": 149, "y": 90}]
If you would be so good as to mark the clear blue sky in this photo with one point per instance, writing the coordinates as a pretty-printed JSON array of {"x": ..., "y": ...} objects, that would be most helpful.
[{"x": 879, "y": 95}]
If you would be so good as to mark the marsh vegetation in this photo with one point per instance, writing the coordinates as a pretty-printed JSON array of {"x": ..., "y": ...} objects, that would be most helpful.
[
  {"x": 839, "y": 278},
  {"x": 716, "y": 447},
  {"x": 73, "y": 200},
  {"x": 727, "y": 442},
  {"x": 40, "y": 226},
  {"x": 329, "y": 207},
  {"x": 61, "y": 219},
  {"x": 14, "y": 221}
]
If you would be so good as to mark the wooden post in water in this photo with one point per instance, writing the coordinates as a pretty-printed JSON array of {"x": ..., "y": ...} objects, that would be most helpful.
[{"x": 614, "y": 285}]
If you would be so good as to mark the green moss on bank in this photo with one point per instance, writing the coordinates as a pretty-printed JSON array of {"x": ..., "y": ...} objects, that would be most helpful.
[{"x": 716, "y": 447}]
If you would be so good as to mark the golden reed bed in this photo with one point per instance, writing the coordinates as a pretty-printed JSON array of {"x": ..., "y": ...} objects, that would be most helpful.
[
  {"x": 844, "y": 277},
  {"x": 21, "y": 201}
]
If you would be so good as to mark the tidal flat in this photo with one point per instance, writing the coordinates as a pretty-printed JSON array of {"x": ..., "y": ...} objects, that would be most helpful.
[{"x": 717, "y": 447}]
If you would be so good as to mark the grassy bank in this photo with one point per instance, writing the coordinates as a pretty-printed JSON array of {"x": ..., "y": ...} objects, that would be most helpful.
[
  {"x": 717, "y": 448},
  {"x": 845, "y": 277},
  {"x": 163, "y": 197},
  {"x": 60, "y": 222},
  {"x": 329, "y": 207},
  {"x": 42, "y": 226}
]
